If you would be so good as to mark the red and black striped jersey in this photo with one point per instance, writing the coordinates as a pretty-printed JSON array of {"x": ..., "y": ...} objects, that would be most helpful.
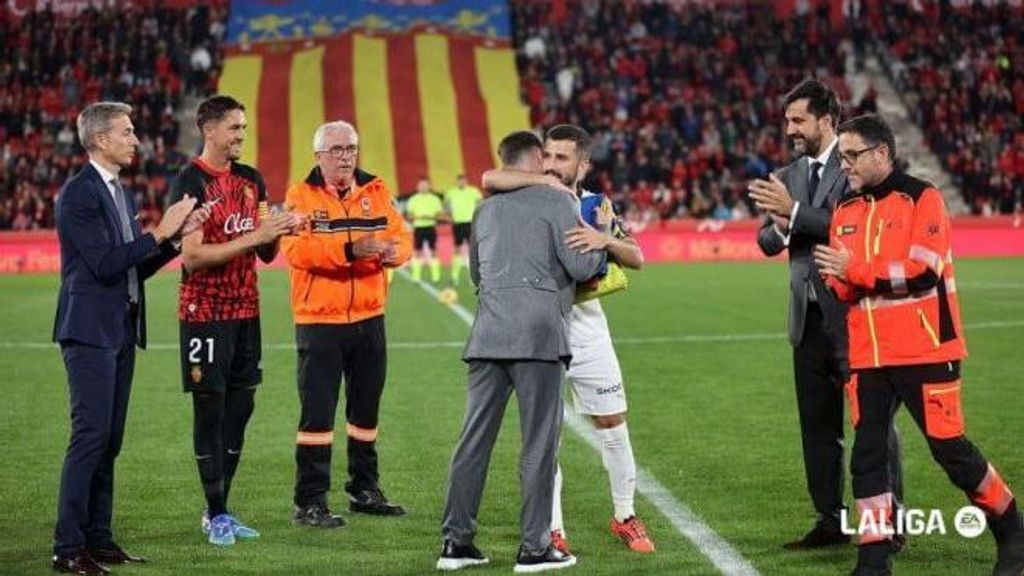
[{"x": 235, "y": 197}]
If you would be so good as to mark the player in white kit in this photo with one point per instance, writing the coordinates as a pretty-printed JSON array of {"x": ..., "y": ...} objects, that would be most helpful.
[{"x": 594, "y": 372}]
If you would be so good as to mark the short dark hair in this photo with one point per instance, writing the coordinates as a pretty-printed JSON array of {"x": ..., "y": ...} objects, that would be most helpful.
[
  {"x": 214, "y": 108},
  {"x": 874, "y": 130},
  {"x": 574, "y": 133},
  {"x": 513, "y": 146},
  {"x": 821, "y": 100}
]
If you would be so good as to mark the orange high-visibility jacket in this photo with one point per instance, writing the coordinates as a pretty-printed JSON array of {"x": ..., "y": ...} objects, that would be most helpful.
[
  {"x": 329, "y": 285},
  {"x": 899, "y": 281}
]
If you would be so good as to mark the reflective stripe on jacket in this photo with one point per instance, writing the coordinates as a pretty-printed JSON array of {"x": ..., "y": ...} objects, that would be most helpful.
[
  {"x": 328, "y": 284},
  {"x": 899, "y": 281}
]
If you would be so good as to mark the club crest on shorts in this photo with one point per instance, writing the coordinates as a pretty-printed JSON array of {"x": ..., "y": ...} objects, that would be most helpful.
[
  {"x": 196, "y": 374},
  {"x": 365, "y": 204}
]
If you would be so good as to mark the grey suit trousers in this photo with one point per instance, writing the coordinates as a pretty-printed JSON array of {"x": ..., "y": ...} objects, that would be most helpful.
[{"x": 537, "y": 385}]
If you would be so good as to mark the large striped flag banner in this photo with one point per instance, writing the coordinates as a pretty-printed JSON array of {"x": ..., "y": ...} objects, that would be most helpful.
[{"x": 431, "y": 85}]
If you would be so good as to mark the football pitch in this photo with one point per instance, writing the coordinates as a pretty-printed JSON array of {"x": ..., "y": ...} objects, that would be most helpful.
[{"x": 712, "y": 418}]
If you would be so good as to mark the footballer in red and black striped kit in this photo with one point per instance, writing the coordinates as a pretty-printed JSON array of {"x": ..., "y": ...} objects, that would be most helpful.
[{"x": 219, "y": 305}]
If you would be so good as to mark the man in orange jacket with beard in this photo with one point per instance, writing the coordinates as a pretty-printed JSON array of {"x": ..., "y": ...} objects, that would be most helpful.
[
  {"x": 890, "y": 260},
  {"x": 339, "y": 288}
]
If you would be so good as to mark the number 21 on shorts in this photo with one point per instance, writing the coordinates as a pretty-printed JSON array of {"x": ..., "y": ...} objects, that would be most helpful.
[{"x": 195, "y": 350}]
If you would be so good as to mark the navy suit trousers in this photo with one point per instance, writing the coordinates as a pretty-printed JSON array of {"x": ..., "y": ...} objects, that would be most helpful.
[{"x": 99, "y": 383}]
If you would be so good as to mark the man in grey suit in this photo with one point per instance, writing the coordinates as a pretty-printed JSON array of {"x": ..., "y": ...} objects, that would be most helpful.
[
  {"x": 799, "y": 203},
  {"x": 526, "y": 280}
]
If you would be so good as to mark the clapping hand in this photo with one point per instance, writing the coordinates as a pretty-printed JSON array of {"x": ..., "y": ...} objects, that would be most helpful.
[
  {"x": 369, "y": 247},
  {"x": 273, "y": 227},
  {"x": 174, "y": 218},
  {"x": 832, "y": 261},
  {"x": 195, "y": 220},
  {"x": 771, "y": 196}
]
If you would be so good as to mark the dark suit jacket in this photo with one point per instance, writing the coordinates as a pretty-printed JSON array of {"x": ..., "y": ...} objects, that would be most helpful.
[
  {"x": 809, "y": 229},
  {"x": 92, "y": 307}
]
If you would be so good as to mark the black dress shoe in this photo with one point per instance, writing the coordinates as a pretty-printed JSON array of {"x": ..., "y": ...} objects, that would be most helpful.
[
  {"x": 316, "y": 515},
  {"x": 78, "y": 563},
  {"x": 113, "y": 554},
  {"x": 458, "y": 556},
  {"x": 818, "y": 537},
  {"x": 373, "y": 502},
  {"x": 549, "y": 559}
]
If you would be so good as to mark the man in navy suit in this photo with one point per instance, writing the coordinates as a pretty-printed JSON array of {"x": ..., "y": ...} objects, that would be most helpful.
[{"x": 105, "y": 257}]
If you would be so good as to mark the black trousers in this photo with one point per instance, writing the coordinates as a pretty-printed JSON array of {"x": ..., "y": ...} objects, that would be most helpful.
[
  {"x": 99, "y": 385},
  {"x": 328, "y": 354},
  {"x": 821, "y": 369},
  {"x": 931, "y": 393}
]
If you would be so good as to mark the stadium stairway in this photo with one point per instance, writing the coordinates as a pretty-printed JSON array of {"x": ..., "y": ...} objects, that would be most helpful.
[{"x": 909, "y": 139}]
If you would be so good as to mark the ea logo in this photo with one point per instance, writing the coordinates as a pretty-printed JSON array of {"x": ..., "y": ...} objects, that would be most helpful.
[{"x": 969, "y": 521}]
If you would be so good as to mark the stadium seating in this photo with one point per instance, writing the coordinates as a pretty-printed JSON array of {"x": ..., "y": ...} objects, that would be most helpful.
[
  {"x": 683, "y": 99},
  {"x": 151, "y": 57},
  {"x": 965, "y": 86}
]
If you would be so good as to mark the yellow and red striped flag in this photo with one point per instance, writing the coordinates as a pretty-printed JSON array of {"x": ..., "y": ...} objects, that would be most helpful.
[{"x": 429, "y": 100}]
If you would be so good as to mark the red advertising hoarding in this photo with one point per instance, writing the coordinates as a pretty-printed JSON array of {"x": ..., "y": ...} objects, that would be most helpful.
[{"x": 680, "y": 241}]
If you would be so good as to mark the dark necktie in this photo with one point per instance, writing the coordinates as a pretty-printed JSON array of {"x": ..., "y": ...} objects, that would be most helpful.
[
  {"x": 812, "y": 189},
  {"x": 126, "y": 236},
  {"x": 812, "y": 186}
]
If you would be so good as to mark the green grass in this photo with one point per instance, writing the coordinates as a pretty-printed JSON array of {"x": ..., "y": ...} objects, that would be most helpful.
[{"x": 713, "y": 421}]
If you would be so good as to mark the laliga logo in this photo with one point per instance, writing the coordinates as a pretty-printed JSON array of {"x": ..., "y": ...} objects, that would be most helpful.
[
  {"x": 235, "y": 224},
  {"x": 969, "y": 522}
]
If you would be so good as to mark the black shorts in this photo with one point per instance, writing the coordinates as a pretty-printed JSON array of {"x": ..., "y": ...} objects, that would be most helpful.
[
  {"x": 461, "y": 232},
  {"x": 424, "y": 237},
  {"x": 221, "y": 354}
]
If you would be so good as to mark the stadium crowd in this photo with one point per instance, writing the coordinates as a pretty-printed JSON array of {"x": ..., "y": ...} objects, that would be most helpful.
[
  {"x": 152, "y": 57},
  {"x": 683, "y": 100},
  {"x": 965, "y": 85}
]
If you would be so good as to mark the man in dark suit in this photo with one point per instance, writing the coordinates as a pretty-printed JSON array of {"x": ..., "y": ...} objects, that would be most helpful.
[
  {"x": 798, "y": 203},
  {"x": 105, "y": 257}
]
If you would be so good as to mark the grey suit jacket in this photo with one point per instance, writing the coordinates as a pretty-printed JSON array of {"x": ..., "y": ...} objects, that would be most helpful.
[
  {"x": 810, "y": 228},
  {"x": 525, "y": 275}
]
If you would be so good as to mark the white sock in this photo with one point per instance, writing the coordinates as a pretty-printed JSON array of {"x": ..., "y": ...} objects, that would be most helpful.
[
  {"x": 617, "y": 455},
  {"x": 556, "y": 502}
]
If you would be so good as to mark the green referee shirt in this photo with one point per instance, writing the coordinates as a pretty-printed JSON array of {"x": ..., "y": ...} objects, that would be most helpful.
[
  {"x": 424, "y": 208},
  {"x": 462, "y": 202}
]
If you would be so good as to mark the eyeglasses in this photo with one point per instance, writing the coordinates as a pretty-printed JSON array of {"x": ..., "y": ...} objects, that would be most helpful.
[
  {"x": 852, "y": 156},
  {"x": 339, "y": 151}
]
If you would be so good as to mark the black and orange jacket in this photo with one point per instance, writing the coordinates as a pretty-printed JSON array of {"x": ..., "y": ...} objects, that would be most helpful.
[
  {"x": 899, "y": 281},
  {"x": 329, "y": 286}
]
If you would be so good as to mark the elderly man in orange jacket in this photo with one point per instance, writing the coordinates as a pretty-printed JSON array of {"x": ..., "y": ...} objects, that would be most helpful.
[
  {"x": 339, "y": 288},
  {"x": 890, "y": 259}
]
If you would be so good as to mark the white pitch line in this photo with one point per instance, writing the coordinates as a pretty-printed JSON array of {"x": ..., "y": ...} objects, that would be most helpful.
[
  {"x": 623, "y": 341},
  {"x": 688, "y": 524}
]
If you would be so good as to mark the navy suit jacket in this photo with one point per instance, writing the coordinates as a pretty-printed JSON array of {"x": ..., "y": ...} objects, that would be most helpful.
[{"x": 93, "y": 303}]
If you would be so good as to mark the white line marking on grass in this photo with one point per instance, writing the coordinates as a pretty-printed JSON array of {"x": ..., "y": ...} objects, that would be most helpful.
[
  {"x": 624, "y": 341},
  {"x": 707, "y": 542}
]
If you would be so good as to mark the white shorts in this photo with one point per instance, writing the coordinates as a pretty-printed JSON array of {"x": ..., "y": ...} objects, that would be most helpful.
[{"x": 596, "y": 379}]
